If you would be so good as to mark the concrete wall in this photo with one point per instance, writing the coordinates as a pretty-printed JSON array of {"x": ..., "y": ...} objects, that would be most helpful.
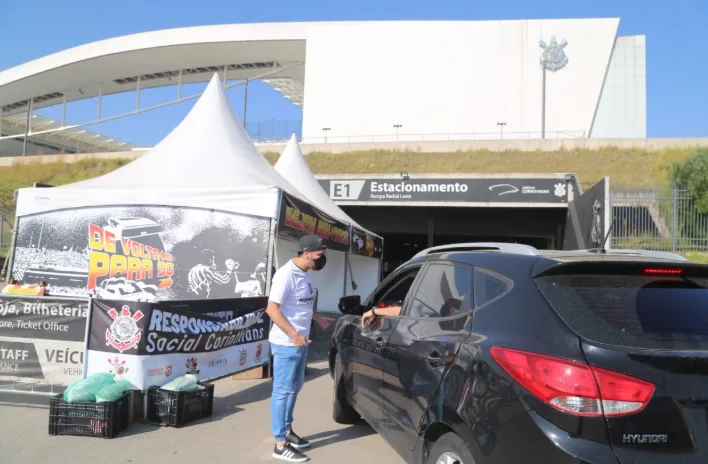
[
  {"x": 452, "y": 77},
  {"x": 622, "y": 110},
  {"x": 650, "y": 145},
  {"x": 497, "y": 145}
]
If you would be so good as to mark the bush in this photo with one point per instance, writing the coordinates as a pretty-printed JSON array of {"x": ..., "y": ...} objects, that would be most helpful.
[{"x": 692, "y": 175}]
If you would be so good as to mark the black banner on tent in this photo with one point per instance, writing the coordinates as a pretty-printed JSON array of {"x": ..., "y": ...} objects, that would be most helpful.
[
  {"x": 143, "y": 253},
  {"x": 42, "y": 339},
  {"x": 298, "y": 219},
  {"x": 366, "y": 244},
  {"x": 153, "y": 343}
]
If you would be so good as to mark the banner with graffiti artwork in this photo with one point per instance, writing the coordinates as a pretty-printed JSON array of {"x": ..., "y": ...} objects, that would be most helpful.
[
  {"x": 42, "y": 339},
  {"x": 143, "y": 253},
  {"x": 153, "y": 343},
  {"x": 298, "y": 219},
  {"x": 366, "y": 244}
]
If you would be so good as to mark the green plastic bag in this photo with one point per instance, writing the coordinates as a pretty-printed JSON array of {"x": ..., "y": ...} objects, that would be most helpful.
[
  {"x": 68, "y": 389},
  {"x": 113, "y": 392},
  {"x": 187, "y": 382},
  {"x": 84, "y": 390}
]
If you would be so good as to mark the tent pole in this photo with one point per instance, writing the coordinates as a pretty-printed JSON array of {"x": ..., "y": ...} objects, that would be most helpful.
[
  {"x": 9, "y": 262},
  {"x": 277, "y": 231},
  {"x": 381, "y": 259},
  {"x": 346, "y": 272},
  {"x": 272, "y": 255}
]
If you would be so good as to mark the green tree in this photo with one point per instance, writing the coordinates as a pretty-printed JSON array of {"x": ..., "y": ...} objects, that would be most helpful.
[
  {"x": 692, "y": 175},
  {"x": 7, "y": 198}
]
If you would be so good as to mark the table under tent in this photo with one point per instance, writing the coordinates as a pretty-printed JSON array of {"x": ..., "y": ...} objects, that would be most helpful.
[
  {"x": 196, "y": 217},
  {"x": 351, "y": 270}
]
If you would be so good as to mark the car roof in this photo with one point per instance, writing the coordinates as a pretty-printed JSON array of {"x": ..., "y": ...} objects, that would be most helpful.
[{"x": 464, "y": 251}]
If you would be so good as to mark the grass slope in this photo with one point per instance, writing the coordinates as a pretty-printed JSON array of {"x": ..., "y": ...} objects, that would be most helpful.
[{"x": 628, "y": 168}]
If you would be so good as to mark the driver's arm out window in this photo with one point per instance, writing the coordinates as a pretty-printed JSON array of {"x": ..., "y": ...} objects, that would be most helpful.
[{"x": 395, "y": 294}]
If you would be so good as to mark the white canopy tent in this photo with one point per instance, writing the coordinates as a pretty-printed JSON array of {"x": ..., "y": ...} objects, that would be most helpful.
[
  {"x": 204, "y": 197},
  {"x": 345, "y": 269}
]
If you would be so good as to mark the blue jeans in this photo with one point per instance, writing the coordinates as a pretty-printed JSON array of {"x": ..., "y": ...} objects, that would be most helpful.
[{"x": 288, "y": 378}]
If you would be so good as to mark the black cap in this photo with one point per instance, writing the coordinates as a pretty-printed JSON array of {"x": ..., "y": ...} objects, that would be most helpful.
[{"x": 311, "y": 243}]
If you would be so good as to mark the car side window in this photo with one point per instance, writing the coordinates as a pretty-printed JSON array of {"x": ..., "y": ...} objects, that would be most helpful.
[
  {"x": 394, "y": 294},
  {"x": 444, "y": 291},
  {"x": 489, "y": 286}
]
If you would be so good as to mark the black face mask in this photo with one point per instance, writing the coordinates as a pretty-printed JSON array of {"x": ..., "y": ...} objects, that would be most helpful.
[{"x": 320, "y": 262}]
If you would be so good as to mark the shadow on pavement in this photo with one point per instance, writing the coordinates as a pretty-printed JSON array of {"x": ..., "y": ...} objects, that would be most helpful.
[
  {"x": 227, "y": 405},
  {"x": 140, "y": 428},
  {"x": 336, "y": 436}
]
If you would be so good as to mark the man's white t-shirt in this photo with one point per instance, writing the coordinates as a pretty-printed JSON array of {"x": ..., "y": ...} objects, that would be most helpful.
[{"x": 292, "y": 289}]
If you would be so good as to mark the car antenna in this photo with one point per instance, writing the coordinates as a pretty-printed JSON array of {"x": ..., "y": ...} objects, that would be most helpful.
[{"x": 607, "y": 236}]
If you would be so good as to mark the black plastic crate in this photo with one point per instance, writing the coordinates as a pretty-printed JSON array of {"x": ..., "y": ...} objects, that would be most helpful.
[
  {"x": 105, "y": 420},
  {"x": 179, "y": 408}
]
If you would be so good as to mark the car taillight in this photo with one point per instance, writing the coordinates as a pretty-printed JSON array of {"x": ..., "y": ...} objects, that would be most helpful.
[
  {"x": 662, "y": 271},
  {"x": 575, "y": 387}
]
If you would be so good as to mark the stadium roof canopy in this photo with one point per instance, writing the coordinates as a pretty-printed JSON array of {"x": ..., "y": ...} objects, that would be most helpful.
[
  {"x": 274, "y": 52},
  {"x": 70, "y": 140},
  {"x": 271, "y": 52}
]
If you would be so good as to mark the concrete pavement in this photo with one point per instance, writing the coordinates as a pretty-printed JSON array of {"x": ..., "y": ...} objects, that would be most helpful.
[{"x": 238, "y": 432}]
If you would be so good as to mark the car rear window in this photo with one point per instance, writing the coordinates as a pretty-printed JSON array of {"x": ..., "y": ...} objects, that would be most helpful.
[{"x": 638, "y": 311}]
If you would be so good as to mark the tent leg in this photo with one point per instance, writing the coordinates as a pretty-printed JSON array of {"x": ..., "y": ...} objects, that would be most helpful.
[
  {"x": 272, "y": 255},
  {"x": 273, "y": 261},
  {"x": 9, "y": 262},
  {"x": 346, "y": 273}
]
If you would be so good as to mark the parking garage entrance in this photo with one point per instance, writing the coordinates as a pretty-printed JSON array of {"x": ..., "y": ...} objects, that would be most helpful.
[
  {"x": 412, "y": 214},
  {"x": 408, "y": 230}
]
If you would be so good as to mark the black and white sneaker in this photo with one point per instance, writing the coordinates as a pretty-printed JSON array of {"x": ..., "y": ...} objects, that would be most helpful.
[
  {"x": 296, "y": 441},
  {"x": 288, "y": 453}
]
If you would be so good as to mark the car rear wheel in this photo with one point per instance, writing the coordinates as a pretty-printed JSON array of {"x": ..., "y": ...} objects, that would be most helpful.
[
  {"x": 450, "y": 449},
  {"x": 342, "y": 412}
]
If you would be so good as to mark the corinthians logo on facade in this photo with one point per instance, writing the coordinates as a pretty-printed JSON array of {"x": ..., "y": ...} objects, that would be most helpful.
[
  {"x": 553, "y": 57},
  {"x": 123, "y": 334}
]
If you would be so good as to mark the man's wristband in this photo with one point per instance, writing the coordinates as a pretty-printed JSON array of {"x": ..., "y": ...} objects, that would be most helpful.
[{"x": 373, "y": 313}]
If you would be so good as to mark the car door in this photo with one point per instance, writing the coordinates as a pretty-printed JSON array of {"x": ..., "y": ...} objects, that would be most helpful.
[
  {"x": 364, "y": 363},
  {"x": 422, "y": 346}
]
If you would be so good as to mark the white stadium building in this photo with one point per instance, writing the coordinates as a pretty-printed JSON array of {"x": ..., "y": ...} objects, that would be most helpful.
[{"x": 357, "y": 81}]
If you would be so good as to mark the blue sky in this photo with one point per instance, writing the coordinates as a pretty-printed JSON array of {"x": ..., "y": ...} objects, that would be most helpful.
[{"x": 677, "y": 46}]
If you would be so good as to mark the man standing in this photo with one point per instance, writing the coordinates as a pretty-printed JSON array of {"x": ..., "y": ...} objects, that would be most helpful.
[{"x": 290, "y": 306}]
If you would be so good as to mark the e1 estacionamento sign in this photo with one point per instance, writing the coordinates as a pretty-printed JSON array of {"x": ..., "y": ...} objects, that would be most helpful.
[
  {"x": 42, "y": 339},
  {"x": 451, "y": 190}
]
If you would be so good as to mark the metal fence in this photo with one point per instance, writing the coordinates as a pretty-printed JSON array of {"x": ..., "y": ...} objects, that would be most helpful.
[
  {"x": 278, "y": 132},
  {"x": 274, "y": 131},
  {"x": 665, "y": 220}
]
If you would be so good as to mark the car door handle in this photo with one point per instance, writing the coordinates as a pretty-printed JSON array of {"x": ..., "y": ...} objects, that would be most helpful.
[{"x": 435, "y": 359}]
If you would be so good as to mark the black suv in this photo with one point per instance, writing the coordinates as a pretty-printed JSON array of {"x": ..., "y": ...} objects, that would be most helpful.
[{"x": 508, "y": 354}]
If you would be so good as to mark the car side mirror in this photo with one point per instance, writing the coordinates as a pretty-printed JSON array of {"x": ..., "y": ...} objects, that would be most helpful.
[{"x": 351, "y": 305}]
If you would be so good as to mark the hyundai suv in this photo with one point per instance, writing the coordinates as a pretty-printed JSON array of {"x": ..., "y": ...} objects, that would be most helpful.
[{"x": 507, "y": 354}]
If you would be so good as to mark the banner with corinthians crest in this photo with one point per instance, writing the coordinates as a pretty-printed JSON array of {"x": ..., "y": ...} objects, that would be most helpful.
[{"x": 150, "y": 344}]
